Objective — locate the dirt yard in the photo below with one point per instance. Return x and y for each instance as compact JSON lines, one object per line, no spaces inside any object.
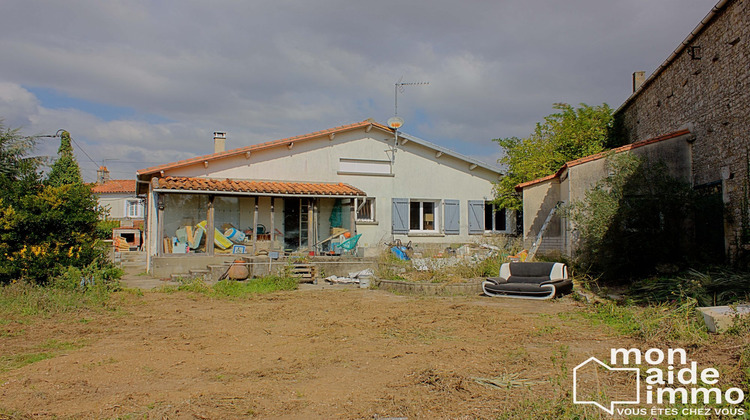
{"x":300,"y":354}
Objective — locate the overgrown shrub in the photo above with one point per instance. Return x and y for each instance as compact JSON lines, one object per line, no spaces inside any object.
{"x":720,"y":286}
{"x":632,"y":221}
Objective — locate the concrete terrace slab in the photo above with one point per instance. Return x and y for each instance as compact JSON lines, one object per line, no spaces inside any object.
{"x":719,"y":318}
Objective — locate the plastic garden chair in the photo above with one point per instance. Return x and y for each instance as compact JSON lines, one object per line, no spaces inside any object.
{"x":350,"y":244}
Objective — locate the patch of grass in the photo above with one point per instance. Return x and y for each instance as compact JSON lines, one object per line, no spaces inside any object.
{"x":237,"y":289}
{"x":545,"y":330}
{"x":47,"y":350}
{"x":53,"y":344}
{"x":22,"y":299}
{"x":16,"y":361}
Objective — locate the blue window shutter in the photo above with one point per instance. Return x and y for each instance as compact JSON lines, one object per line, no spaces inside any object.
{"x":400,"y":216}
{"x":476,"y":216}
{"x":452,"y":217}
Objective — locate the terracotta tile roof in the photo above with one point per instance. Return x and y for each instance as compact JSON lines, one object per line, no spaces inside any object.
{"x":256,"y":187}
{"x":115,"y":186}
{"x":261,"y":146}
{"x":600,"y":155}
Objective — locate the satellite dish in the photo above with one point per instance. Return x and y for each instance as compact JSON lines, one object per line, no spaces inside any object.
{"x":395,"y":122}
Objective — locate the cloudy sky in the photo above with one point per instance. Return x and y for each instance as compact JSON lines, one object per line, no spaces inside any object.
{"x":139,"y":83}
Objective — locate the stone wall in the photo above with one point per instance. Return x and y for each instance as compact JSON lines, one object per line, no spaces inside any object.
{"x":711,"y":96}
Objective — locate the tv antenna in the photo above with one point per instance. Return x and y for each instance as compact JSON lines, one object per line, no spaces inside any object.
{"x":400,"y":87}
{"x":395,"y":122}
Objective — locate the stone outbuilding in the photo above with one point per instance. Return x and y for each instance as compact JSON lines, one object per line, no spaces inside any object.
{"x":704,"y":85}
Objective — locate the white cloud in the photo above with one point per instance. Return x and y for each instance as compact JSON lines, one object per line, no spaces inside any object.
{"x":267,"y":70}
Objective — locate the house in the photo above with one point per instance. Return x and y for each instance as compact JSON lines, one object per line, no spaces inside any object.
{"x":300,"y":194}
{"x":705,"y":85}
{"x":117,"y":197}
{"x":691,"y":113}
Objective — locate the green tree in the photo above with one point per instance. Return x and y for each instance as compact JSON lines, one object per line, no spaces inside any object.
{"x":566,"y":135}
{"x":18,"y":171}
{"x":65,"y":170}
{"x":45,"y":227}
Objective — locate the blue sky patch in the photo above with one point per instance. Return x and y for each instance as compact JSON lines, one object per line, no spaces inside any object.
{"x":53,"y":99}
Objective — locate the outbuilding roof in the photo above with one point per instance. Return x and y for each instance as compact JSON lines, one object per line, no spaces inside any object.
{"x":601,"y":155}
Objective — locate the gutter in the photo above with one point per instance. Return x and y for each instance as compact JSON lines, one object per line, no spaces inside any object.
{"x":250,"y":194}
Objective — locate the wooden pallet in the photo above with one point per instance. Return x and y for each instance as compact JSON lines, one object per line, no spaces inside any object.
{"x":305,"y":272}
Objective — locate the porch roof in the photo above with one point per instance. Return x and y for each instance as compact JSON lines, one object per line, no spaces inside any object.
{"x":252,"y":187}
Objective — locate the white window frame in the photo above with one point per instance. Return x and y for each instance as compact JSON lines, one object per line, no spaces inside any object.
{"x":494,"y":209}
{"x":436,"y":207}
{"x":133,"y":203}
{"x":365,"y":201}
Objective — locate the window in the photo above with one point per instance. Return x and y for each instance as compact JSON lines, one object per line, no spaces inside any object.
{"x":485,"y":217}
{"x":494,"y":218}
{"x":365,"y":209}
{"x":423,"y":216}
{"x":133,"y":208}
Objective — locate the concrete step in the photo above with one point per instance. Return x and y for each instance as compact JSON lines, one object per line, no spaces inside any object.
{"x":125,"y":265}
{"x":179,"y":277}
{"x":127,"y":257}
{"x":199,"y":274}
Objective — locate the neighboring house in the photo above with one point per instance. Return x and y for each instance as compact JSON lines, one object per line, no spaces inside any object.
{"x":304,"y":189}
{"x":569,"y":184}
{"x":117,"y":197}
{"x":703,"y":87}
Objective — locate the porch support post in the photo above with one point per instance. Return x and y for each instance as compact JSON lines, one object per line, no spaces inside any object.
{"x":273,"y":224}
{"x":310,"y":225}
{"x":255,"y":226}
{"x":210,"y":227}
{"x":160,"y":224}
{"x":316,"y":214}
{"x":353,"y":216}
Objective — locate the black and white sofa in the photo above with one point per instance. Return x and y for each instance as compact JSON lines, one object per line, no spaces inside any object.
{"x":529,"y":280}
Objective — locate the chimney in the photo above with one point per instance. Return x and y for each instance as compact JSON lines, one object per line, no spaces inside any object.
{"x":102,"y":175}
{"x":638,"y":78}
{"x":220,"y":138}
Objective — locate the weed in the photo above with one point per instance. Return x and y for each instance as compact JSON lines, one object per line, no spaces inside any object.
{"x":668,"y":322}
{"x":740,"y":326}
{"x":544,"y":330}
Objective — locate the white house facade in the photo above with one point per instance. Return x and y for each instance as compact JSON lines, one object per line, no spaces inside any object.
{"x":117,"y":197}
{"x":293,"y":194}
